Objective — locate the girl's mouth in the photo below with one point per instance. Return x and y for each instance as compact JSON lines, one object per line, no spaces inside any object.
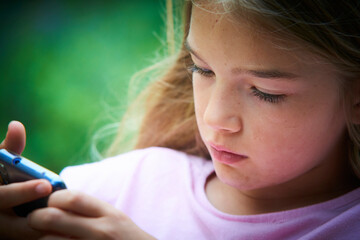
{"x":225,"y":156}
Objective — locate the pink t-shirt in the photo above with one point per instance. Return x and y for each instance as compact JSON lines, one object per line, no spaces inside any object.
{"x":163,"y":191}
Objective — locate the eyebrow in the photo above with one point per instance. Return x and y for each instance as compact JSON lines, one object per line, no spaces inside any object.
{"x":270,"y":74}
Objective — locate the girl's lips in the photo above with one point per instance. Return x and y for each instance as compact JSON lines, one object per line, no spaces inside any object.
{"x":225,"y":156}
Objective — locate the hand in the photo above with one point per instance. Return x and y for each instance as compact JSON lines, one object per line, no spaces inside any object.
{"x":11,"y":226}
{"x":73,"y":215}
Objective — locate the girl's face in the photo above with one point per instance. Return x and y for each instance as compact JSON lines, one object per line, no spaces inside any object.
{"x":268,"y":115}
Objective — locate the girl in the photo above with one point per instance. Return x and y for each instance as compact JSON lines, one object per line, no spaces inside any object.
{"x":272,"y":100}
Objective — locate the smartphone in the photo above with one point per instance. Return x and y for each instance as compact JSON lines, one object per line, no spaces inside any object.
{"x":15,"y":168}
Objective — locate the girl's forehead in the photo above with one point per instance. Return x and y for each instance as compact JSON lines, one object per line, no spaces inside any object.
{"x":242,"y":42}
{"x":217,"y":22}
{"x":208,"y":27}
{"x":213,"y":18}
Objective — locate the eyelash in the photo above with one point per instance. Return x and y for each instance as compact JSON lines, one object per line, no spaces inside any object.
{"x":271,"y":98}
{"x":195,"y":69}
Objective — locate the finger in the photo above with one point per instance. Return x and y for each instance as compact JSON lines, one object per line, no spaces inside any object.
{"x":12,"y":227}
{"x":55,"y":237}
{"x":18,"y":193}
{"x":15,"y":137}
{"x":62,"y":223}
{"x":80,"y":203}
{"x":69,"y":224}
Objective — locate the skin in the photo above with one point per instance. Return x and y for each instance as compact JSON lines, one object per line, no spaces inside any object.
{"x":294,"y":145}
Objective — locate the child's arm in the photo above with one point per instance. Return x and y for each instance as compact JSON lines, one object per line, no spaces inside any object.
{"x":78,"y":215}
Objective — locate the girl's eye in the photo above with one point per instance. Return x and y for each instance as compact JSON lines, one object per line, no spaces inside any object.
{"x":205,"y":72}
{"x":271,"y":98}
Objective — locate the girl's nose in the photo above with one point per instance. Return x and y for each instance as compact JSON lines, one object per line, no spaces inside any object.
{"x":222,"y":112}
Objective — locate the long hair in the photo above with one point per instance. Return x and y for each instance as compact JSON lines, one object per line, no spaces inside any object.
{"x":166,"y":105}
{"x":329,"y":29}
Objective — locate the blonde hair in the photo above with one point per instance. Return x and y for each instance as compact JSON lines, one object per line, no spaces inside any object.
{"x":330,"y":29}
{"x":165,"y":106}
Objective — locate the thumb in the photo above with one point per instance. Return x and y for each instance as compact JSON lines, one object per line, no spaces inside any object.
{"x":15,"y":137}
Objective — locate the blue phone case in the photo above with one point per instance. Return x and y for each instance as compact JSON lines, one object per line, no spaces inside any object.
{"x":15,"y":168}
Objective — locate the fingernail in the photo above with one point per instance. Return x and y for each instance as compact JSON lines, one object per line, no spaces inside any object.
{"x":42,"y":188}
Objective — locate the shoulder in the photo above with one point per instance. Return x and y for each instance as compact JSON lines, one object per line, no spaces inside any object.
{"x":150,"y":157}
{"x":341,"y":220}
{"x":130,"y":159}
{"x":136,"y":167}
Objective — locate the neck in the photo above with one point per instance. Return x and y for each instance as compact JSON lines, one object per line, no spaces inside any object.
{"x":232,"y":201}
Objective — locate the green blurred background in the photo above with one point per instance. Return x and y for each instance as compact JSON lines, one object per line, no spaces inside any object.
{"x":65,"y":66}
